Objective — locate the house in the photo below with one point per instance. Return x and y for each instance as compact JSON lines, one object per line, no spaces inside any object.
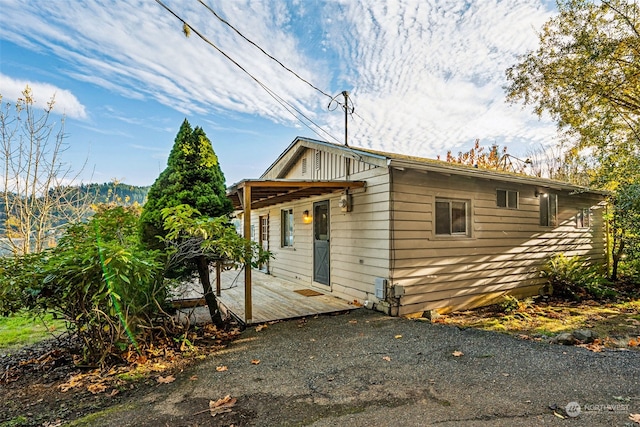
{"x":404,"y":234}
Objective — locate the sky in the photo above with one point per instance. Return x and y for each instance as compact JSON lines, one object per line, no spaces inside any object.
{"x":424,"y":77}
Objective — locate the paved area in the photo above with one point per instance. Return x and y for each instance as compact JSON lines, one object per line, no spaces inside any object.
{"x":367,"y":369}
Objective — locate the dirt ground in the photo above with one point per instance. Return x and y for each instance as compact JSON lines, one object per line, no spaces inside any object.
{"x":360,"y":368}
{"x":367,"y":369}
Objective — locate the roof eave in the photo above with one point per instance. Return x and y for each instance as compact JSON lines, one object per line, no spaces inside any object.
{"x":492,"y":175}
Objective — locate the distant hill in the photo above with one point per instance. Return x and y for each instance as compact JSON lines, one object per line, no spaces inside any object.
{"x":108,"y":192}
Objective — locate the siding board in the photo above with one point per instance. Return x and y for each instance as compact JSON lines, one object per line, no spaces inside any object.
{"x":504,"y":252}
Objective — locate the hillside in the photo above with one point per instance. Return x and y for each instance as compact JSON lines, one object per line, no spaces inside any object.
{"x":109,"y":192}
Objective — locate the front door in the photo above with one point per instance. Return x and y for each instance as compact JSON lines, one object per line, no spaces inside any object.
{"x":264,"y":239}
{"x":321,"y":242}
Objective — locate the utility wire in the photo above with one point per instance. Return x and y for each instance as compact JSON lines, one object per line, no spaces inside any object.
{"x":261,"y":49}
{"x":271,"y":93}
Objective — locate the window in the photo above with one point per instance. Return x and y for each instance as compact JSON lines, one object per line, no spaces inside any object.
{"x":507,"y":199}
{"x":452,"y":217}
{"x":548,"y":210}
{"x":583,"y":218}
{"x":287,"y":228}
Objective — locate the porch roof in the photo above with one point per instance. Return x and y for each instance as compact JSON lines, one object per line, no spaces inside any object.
{"x":267,"y":192}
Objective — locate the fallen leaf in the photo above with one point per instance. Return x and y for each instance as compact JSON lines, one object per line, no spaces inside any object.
{"x":596,"y":347}
{"x":255,"y":361}
{"x":74,"y":381}
{"x":634,"y":342}
{"x":353,"y":322}
{"x":558,"y":415}
{"x":398,"y":336}
{"x":96,"y":388}
{"x":114,"y":392}
{"x":193,"y":377}
{"x":457,"y":353}
{"x":166,"y":380}
{"x":221,"y":368}
{"x":635,"y":418}
{"x":221,"y":406}
{"x":387,"y":358}
{"x":261,"y":327}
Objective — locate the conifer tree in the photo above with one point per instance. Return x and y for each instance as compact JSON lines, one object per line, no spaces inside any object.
{"x":192,"y":177}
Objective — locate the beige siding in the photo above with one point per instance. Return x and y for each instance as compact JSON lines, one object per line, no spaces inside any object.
{"x":359,"y":238}
{"x":321,"y":165}
{"x":503,"y":253}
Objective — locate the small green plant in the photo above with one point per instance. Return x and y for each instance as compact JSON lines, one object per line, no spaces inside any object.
{"x":20,"y":420}
{"x":573,"y":278}
{"x":509,"y":304}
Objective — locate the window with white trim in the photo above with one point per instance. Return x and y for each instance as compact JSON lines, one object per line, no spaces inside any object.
{"x":452,"y":217}
{"x":507,"y":199}
{"x":287,"y":228}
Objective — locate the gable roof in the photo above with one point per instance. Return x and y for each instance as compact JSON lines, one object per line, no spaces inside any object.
{"x":287,"y":159}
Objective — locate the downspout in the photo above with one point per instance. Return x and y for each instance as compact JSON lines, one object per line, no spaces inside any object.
{"x":394,"y":308}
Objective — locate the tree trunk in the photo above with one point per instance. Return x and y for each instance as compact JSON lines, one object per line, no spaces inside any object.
{"x":616,"y":260}
{"x":209,"y":296}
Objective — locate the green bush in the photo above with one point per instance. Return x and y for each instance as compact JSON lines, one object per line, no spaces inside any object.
{"x":509,"y":304}
{"x":574,"y":278}
{"x":98,"y":278}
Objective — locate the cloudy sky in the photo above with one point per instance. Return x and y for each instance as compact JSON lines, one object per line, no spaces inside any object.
{"x":424,"y":76}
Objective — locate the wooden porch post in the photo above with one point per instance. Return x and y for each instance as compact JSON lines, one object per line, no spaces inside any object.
{"x":218,"y":278}
{"x":248,"y":314}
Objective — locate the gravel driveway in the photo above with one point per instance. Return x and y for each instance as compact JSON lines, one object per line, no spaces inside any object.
{"x":367,"y":369}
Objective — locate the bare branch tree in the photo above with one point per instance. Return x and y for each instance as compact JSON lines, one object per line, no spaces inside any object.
{"x":36,"y":189}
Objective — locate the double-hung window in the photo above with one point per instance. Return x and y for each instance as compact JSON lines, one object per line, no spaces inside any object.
{"x":287,"y":228}
{"x":452,"y":217}
{"x":507,"y":199}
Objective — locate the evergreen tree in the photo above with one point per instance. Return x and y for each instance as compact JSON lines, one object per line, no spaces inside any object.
{"x":193,"y":177}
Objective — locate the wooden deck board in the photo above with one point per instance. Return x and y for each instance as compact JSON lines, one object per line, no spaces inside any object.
{"x":273,"y":298}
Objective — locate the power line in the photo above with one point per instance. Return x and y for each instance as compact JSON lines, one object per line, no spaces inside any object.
{"x":261,"y":49}
{"x":277,"y":98}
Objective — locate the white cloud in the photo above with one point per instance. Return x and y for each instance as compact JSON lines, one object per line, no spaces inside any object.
{"x":426,"y":76}
{"x":65,"y":102}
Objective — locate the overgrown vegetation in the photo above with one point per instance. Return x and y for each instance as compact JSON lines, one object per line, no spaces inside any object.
{"x":193,"y":178}
{"x":573,"y":278}
{"x":98,"y":279}
{"x":110,"y":282}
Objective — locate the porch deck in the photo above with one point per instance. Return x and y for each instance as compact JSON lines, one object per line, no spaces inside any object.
{"x":273,"y":298}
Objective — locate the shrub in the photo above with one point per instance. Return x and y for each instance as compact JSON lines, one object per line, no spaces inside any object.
{"x":98,"y":278}
{"x":509,"y":304}
{"x":574,"y":278}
